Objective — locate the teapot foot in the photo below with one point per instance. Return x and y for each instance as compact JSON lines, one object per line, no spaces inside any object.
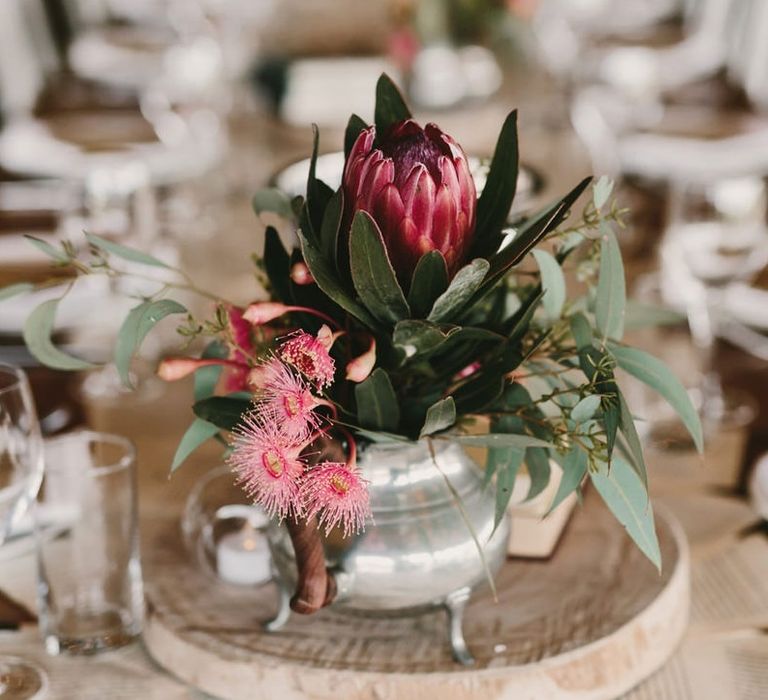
{"x":454,"y":605}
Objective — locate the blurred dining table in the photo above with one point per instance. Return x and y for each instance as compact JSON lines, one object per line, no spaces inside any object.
{"x":211,"y":247}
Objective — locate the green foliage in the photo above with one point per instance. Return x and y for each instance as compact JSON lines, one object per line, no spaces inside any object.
{"x":390,"y":105}
{"x":273,"y":201}
{"x":377,"y":404}
{"x":199,"y":432}
{"x":37,"y":336}
{"x":121,"y":251}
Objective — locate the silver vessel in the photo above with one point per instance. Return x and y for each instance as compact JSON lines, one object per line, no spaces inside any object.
{"x":419,"y":552}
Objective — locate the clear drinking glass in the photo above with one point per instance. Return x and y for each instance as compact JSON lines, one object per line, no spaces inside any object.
{"x":90,"y":595}
{"x":21,"y":469}
{"x":716,"y":235}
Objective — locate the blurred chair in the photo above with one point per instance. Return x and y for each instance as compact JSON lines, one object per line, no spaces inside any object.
{"x":644,"y":128}
{"x":88,"y":128}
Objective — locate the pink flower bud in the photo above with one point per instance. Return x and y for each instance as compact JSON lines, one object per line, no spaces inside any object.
{"x":417,"y":186}
{"x":301,"y":275}
{"x":361,"y":366}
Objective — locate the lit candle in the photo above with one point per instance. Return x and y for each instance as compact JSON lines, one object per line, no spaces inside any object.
{"x":243,"y":557}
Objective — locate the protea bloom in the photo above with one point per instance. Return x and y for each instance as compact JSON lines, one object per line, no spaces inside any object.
{"x":417,"y":186}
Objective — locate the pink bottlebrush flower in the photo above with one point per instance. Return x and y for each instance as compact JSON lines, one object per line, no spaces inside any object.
{"x":362,"y":365}
{"x":301,"y":275}
{"x":338,"y":495}
{"x":285,"y":398}
{"x":268,"y":466}
{"x":309,"y":355}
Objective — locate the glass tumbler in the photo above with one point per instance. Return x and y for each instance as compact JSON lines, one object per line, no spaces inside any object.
{"x":90,"y":595}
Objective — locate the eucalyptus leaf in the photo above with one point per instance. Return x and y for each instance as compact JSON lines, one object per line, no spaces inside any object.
{"x":574,"y":466}
{"x":430,"y":280}
{"x":354,"y":126}
{"x":602,"y":191}
{"x":377,"y":405}
{"x":465,"y":283}
{"x":372,"y":273}
{"x":274,"y":201}
{"x":390,"y":105}
{"x":56,"y":254}
{"x":581,"y":331}
{"x":139,"y":321}
{"x":440,"y":415}
{"x":642,"y":315}
{"x":658,"y":376}
{"x":37,"y":336}
{"x":13,"y":290}
{"x":206,"y":378}
{"x":505,"y":484}
{"x":552,"y":282}
{"x":124,"y":252}
{"x":629,"y":431}
{"x":585,"y":409}
{"x":539,"y":470}
{"x":199,"y":432}
{"x":611,"y":287}
{"x":499,"y":191}
{"x":624,"y":493}
{"x":223,"y":411}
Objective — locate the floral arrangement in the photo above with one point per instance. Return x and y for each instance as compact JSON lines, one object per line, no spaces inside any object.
{"x":410,"y":309}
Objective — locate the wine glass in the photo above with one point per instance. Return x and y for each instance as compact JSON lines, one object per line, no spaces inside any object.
{"x":21,"y":471}
{"x":716,"y":236}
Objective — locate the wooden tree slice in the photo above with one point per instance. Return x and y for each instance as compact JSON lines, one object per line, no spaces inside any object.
{"x":591,"y":622}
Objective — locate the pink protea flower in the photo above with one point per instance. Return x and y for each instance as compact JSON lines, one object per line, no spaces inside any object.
{"x":285,"y":398}
{"x":309,"y":355}
{"x":267,"y":464}
{"x":416,"y":185}
{"x":338,"y":495}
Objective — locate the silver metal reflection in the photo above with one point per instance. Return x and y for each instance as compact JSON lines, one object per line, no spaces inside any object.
{"x":419,"y":552}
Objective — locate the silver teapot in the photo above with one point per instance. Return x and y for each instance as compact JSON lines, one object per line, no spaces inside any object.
{"x":421,"y":550}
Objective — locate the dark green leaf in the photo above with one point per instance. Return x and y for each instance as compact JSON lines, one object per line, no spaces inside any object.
{"x":430,"y":280}
{"x":417,"y":337}
{"x":624,"y":493}
{"x":440,"y":415}
{"x":354,"y":126}
{"x":531,"y":232}
{"x":199,"y":432}
{"x":329,"y":230}
{"x":505,"y":483}
{"x":479,"y":392}
{"x":372,"y":273}
{"x":139,"y":321}
{"x":328,"y":281}
{"x":273,"y":201}
{"x":13,"y":290}
{"x":552,"y":283}
{"x":277,"y":265}
{"x":496,"y":198}
{"x":318,"y":193}
{"x":57,"y":254}
{"x":390,"y":105}
{"x":223,"y":411}
{"x":37,"y":335}
{"x":539,"y":470}
{"x":377,"y":406}
{"x":518,"y":323}
{"x":124,"y":252}
{"x":659,"y":377}
{"x":466,"y":282}
{"x":574,"y":466}
{"x":611,"y":288}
